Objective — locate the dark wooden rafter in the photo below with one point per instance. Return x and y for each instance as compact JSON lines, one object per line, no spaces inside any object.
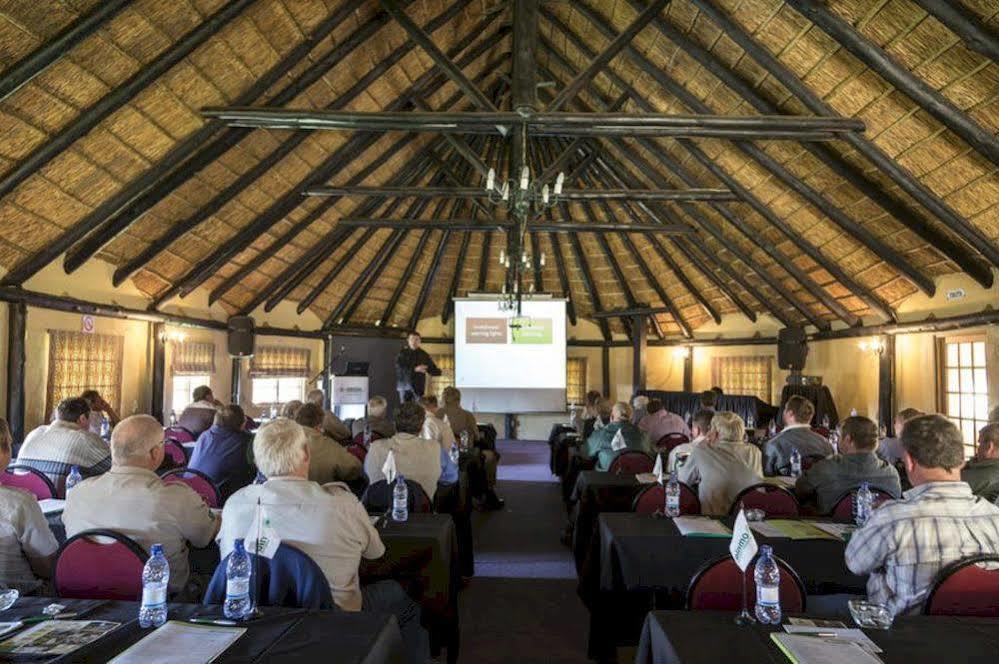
{"x":650,"y":278}
{"x":431,"y":278}
{"x":41,"y":58}
{"x":459,"y":267}
{"x":417,"y":224}
{"x":348,"y":304}
{"x":563,"y":277}
{"x":976,"y":35}
{"x":588,"y":285}
{"x":337,"y":268}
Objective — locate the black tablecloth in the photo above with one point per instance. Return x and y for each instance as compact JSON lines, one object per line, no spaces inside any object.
{"x":821,"y":398}
{"x":689,"y":402}
{"x":281,"y":634}
{"x":597,"y":492}
{"x":690,"y":637}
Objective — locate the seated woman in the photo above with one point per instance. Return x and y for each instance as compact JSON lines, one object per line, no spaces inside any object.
{"x":605,"y":443}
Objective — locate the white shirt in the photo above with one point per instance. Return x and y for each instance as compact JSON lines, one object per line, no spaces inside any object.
{"x":24,"y":536}
{"x":416,"y":458}
{"x":682,"y":449}
{"x":327,"y":523}
{"x":439,"y":431}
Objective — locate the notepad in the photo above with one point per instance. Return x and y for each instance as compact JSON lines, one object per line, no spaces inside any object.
{"x":8,"y":627}
{"x":846,"y":633}
{"x":796,"y":530}
{"x":841,"y":530}
{"x":51,"y":505}
{"x":176,"y":641}
{"x":701,"y":526}
{"x":802,"y":649}
{"x":56,"y":637}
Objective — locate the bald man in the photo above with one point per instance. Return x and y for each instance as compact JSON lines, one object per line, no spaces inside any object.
{"x":131,"y":499}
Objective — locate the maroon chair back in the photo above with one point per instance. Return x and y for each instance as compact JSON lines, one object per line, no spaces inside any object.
{"x":822,"y":431}
{"x":631,"y":462}
{"x":377,"y":498}
{"x":717,"y":586}
{"x":180,"y":434}
{"x":652,"y":499}
{"x":669,"y":441}
{"x":359,"y":438}
{"x":31,"y":480}
{"x":201,"y":483}
{"x":358,"y":451}
{"x":843,"y":511}
{"x":175,"y":452}
{"x":965,"y":588}
{"x":776,"y":501}
{"x":88,"y":566}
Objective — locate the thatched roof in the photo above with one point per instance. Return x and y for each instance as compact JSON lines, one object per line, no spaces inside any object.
{"x":65,"y":166}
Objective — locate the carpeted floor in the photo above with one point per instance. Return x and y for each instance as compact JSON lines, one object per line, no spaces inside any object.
{"x":522,"y":604}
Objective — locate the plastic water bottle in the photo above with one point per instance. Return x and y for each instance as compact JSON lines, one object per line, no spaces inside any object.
{"x":862,"y":504}
{"x":686,"y":417}
{"x":173,"y":418}
{"x":400,"y":500}
{"x":73,"y":478}
{"x":455,"y":453}
{"x":367,"y":434}
{"x":465,"y":441}
{"x":238,"y":605}
{"x":672,"y":495}
{"x":825,"y":421}
{"x":155,"y":580}
{"x":767,"y":576}
{"x":795,"y":463}
{"x":750,"y":422}
{"x":853,"y":412}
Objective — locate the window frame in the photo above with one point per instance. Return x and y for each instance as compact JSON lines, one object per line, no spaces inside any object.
{"x":203,"y":379}
{"x":716,"y":360}
{"x":301,"y":390}
{"x":942,"y":367}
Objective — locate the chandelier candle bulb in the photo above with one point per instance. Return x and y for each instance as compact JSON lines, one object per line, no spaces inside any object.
{"x":525,"y":178}
{"x":506,"y":191}
{"x":559,"y":181}
{"x":491,"y":179}
{"x":544,"y":194}
{"x":502,"y":257}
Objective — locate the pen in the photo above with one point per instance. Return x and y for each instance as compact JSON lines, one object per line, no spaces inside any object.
{"x":213,"y":621}
{"x":37,"y":619}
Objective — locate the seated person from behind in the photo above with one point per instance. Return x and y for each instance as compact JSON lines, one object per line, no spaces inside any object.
{"x":100,"y":411}
{"x":603,"y":409}
{"x":982,"y":472}
{"x":223,"y":452}
{"x":329,"y":461}
{"x":133,"y":501}
{"x":436,"y":426}
{"x":660,"y":422}
{"x":796,"y":434}
{"x":327,"y":523}
{"x":55,"y":448}
{"x":418,"y":459}
{"x":462,"y":420}
{"x":290,"y":409}
{"x":827,"y":480}
{"x":27,"y":546}
{"x":722,"y":465}
{"x":376,"y":420}
{"x":939,"y":521}
{"x":332,"y":426}
{"x":602,"y":442}
{"x":640,"y":408}
{"x":587,"y":414}
{"x":890,"y":449}
{"x":708,"y":400}
{"x":699,"y":428}
{"x":200,"y":415}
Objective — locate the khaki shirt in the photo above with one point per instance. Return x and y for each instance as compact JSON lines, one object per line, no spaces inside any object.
{"x":721,"y":470}
{"x":416,"y":458}
{"x":461,"y":420}
{"x":24,"y":537}
{"x":334,"y":428}
{"x":137,"y":503}
{"x":327,"y":523}
{"x":329,"y":461}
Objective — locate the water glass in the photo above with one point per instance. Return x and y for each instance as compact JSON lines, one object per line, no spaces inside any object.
{"x":870,"y":615}
{"x":7,"y":597}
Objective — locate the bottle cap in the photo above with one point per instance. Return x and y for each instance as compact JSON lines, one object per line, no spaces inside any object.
{"x":238,"y":544}
{"x":157,"y":549}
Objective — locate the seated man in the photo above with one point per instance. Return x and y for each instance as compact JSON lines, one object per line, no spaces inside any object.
{"x":418,"y":459}
{"x":640,"y":406}
{"x":601,"y":443}
{"x":796,"y":434}
{"x":699,"y":427}
{"x":890,"y":449}
{"x":708,"y":400}
{"x":463,"y":421}
{"x":200,"y":415}
{"x":827,"y":480}
{"x":290,"y":409}
{"x":132,"y":500}
{"x":436,"y":426}
{"x":332,"y":426}
{"x":55,"y":448}
{"x":660,"y":422}
{"x":376,"y":419}
{"x":100,"y":411}
{"x":223,"y":452}
{"x":327,"y":523}
{"x":329,"y":461}
{"x":906,"y":542}
{"x":982,"y":472}
{"x":27,"y":546}
{"x":722,"y":465}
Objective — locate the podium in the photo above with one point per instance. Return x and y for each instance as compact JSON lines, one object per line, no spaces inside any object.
{"x":350,"y":391}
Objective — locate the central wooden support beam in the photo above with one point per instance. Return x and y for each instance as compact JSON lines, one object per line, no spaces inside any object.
{"x":524,"y":86}
{"x":479,"y":193}
{"x":17,"y":316}
{"x":640,"y":346}
{"x":158,"y":386}
{"x":535,"y":227}
{"x":886,"y":384}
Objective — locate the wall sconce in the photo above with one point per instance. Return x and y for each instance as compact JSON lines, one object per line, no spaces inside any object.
{"x":875,"y":346}
{"x":174,"y":336}
{"x":681,"y":352}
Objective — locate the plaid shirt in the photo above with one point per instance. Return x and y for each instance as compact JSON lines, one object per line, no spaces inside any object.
{"x":54,"y":449}
{"x":906,"y":542}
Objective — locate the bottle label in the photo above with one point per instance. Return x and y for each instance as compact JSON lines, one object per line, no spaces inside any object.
{"x":154,"y":595}
{"x":673,"y":503}
{"x":237,"y":588}
{"x":768,"y":596}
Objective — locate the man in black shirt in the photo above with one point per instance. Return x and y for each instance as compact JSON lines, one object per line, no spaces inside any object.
{"x":411,"y":368}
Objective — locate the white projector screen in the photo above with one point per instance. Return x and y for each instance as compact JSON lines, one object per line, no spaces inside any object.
{"x":506,"y":364}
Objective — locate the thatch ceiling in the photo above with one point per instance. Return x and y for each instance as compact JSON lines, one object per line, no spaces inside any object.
{"x":67,"y":169}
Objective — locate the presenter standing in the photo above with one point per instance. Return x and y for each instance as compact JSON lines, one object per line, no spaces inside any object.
{"x":411,"y":368}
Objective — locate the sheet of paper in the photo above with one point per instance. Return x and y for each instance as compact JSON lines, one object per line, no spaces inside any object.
{"x":845,"y":633}
{"x":814,"y":622}
{"x":646,"y":478}
{"x":8,"y":627}
{"x":51,"y":505}
{"x":815,"y":650}
{"x":176,"y":641}
{"x":701,"y":526}
{"x":840,"y":530}
{"x":56,"y":637}
{"x":767,"y":529}
{"x":798,"y":530}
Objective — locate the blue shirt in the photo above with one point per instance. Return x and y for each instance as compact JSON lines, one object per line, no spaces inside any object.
{"x":221,"y":454}
{"x":449,"y":470}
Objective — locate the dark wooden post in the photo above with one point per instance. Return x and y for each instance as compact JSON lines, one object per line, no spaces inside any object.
{"x":236,"y":386}
{"x":640,"y":344}
{"x":327,"y":368}
{"x":605,"y":371}
{"x":16,"y":325}
{"x":159,"y":370}
{"x":688,"y":370}
{"x":886,"y":383}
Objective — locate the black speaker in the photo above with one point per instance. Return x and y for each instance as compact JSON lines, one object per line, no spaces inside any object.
{"x":791,"y":348}
{"x":241,"y":336}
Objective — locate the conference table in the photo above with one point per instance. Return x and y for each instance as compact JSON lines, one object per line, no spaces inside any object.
{"x":597,"y":492}
{"x":693,"y":637}
{"x":636,"y":559}
{"x":280,"y":634}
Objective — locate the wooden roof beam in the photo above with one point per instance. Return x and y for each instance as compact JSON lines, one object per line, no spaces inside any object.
{"x":588,"y":285}
{"x":431,"y":279}
{"x":976,"y":35}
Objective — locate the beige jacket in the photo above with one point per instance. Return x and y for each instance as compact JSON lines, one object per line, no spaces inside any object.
{"x":721,"y":470}
{"x":417,"y":458}
{"x":329,"y":461}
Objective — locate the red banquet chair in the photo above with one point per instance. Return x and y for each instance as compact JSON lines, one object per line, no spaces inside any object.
{"x":359,"y":438}
{"x":175,"y":452}
{"x":774,"y":500}
{"x":822,"y":431}
{"x":843,"y":511}
{"x":100,"y":564}
{"x":717,"y":586}
{"x":966,"y":588}
{"x":652,"y":499}
{"x":31,"y":480}
{"x":631,"y":462}
{"x":358,"y":451}
{"x":180,"y":434}
{"x":669,"y":441}
{"x":197,"y":480}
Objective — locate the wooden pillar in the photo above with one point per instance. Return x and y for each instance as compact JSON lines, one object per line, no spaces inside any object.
{"x":159,"y":370}
{"x":688,"y":370}
{"x":640,"y":345}
{"x":236,"y":386}
{"x":605,"y":369}
{"x":16,"y":325}
{"x":327,"y":369}
{"x":886,"y":383}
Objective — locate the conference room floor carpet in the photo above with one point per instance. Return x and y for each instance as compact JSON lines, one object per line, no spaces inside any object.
{"x":522,"y":604}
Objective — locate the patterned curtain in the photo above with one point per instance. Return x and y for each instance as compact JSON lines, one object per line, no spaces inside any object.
{"x":436,"y":384}
{"x":575,"y":380}
{"x":192,"y":358}
{"x":747,"y":376}
{"x":280,"y":362}
{"x":79,"y":362}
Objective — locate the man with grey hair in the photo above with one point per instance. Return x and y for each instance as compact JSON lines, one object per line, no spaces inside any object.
{"x":326,"y":522}
{"x":640,"y":405}
{"x":376,"y":420}
{"x":722,"y":465}
{"x":132,"y":500}
{"x":938,"y":521}
{"x":332,"y":426}
{"x":982,"y":472}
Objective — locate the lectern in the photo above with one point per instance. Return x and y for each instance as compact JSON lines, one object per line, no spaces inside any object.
{"x":350,"y":391}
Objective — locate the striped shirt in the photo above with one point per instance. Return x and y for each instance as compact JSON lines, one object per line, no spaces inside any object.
{"x":906,"y":542}
{"x":54,"y":449}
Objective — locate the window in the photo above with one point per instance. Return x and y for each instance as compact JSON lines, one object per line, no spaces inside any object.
{"x":183,"y":389}
{"x":747,"y":376}
{"x":278,"y":375}
{"x":192,"y":364}
{"x":436,"y":384}
{"x":79,"y":362}
{"x":965,"y":386}
{"x":575,"y":380}
{"x":274,"y":391}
